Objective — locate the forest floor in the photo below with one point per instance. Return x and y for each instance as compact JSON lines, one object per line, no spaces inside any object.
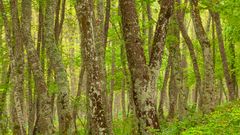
{"x":225,"y":120}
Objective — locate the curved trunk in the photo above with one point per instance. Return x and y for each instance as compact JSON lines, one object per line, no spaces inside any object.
{"x":63,"y":105}
{"x":94,"y":83}
{"x":207,"y":99}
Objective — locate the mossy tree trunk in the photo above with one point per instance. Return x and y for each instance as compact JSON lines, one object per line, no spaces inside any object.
{"x":144,"y":76}
{"x":208,"y":94}
{"x":63,"y":104}
{"x":94,"y":85}
{"x":44,"y":123}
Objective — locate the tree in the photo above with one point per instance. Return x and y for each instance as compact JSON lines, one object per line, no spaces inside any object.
{"x":44,"y":123}
{"x":207,"y":99}
{"x":94,"y":86}
{"x":227,"y":74}
{"x":63,"y":105}
{"x":144,"y":77}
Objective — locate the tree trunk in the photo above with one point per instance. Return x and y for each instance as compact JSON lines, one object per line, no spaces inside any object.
{"x":207,"y":99}
{"x":124,"y":81}
{"x":184,"y":90}
{"x":164,"y":88}
{"x":232,"y":67}
{"x":112,"y":85}
{"x":180,"y":21}
{"x":94,"y":84}
{"x":226,"y":71}
{"x":18,"y":72}
{"x":63,"y":105}
{"x":150,"y":29}
{"x":144,"y":77}
{"x":78,"y":97}
{"x":175,"y":78}
{"x":102,"y":26}
{"x":44,"y":123}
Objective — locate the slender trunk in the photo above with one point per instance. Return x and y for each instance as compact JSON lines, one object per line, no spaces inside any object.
{"x":9,"y":42}
{"x":112,"y":85}
{"x":40,"y":28}
{"x":207,"y":99}
{"x":30,"y":104}
{"x":180,"y":21}
{"x":227,"y":74}
{"x":164,"y":88}
{"x":150,"y":29}
{"x":63,"y":105}
{"x":232,"y":67}
{"x":175,"y":78}
{"x":78,"y":97}
{"x":124,"y":81}
{"x":94,"y":84}
{"x":59,"y":19}
{"x":184,"y":91}
{"x":221,"y":91}
{"x":3,"y":97}
{"x":18,"y":72}
{"x":43,"y":124}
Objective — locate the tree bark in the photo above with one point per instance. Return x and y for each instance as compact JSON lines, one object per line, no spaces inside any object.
{"x":180,"y":21}
{"x":78,"y":97}
{"x":226,"y":71}
{"x":18,"y":72}
{"x":207,"y":99}
{"x":164,"y":88}
{"x":94,"y":85}
{"x":175,"y":78}
{"x":63,"y":105}
{"x":143,"y":76}
{"x":184,"y":89}
{"x":44,"y":123}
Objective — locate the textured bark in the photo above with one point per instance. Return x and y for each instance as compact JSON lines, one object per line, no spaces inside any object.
{"x":94,"y":85}
{"x":30,"y":100}
{"x":40,"y":28}
{"x":8,"y":81}
{"x":137,"y":66}
{"x":143,"y":76}
{"x":18,"y":72}
{"x":59,"y":19}
{"x":150,"y":29}
{"x":4,"y":86}
{"x":158,"y":44}
{"x":63,"y":105}
{"x":175,"y":78}
{"x":180,"y":21}
{"x":143,"y":20}
{"x":226,"y":71}
{"x":184,"y":89}
{"x":207,"y":99}
{"x":164,"y":88}
{"x":102,"y":25}
{"x":44,"y":123}
{"x":3,"y":97}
